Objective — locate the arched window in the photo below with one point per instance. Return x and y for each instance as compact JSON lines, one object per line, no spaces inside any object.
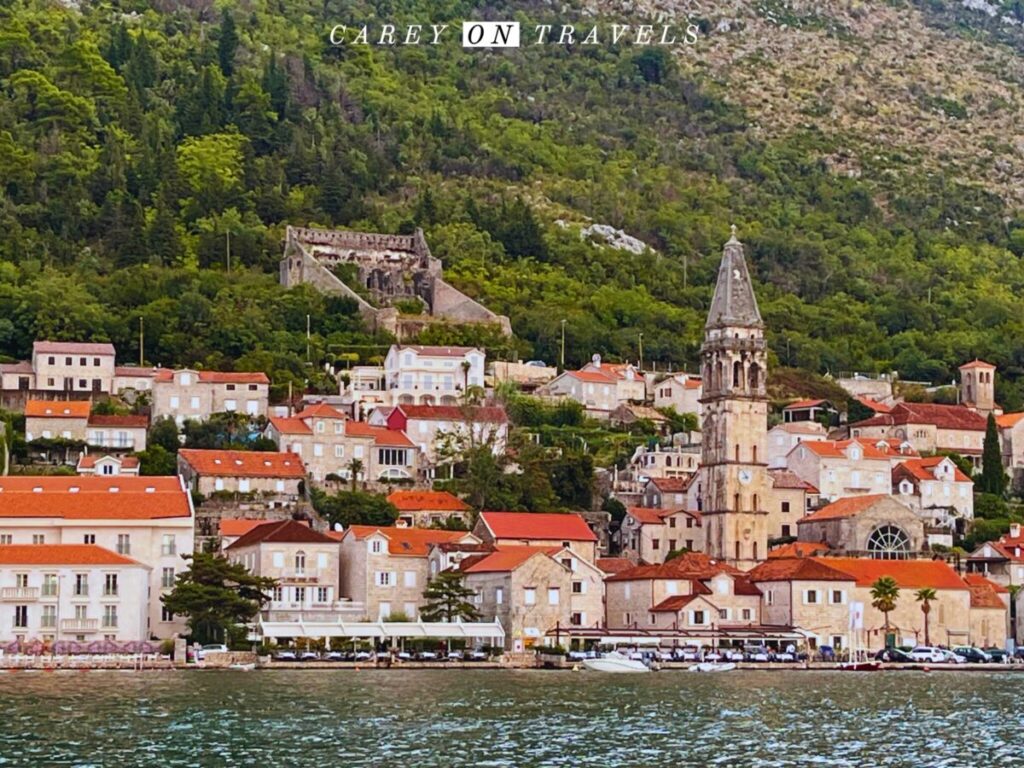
{"x":718,"y":375}
{"x":737,"y":375}
{"x":753,"y":453}
{"x":755,"y":549}
{"x":755,"y":376}
{"x":888,"y":542}
{"x":300,"y":562}
{"x":737,"y":550}
{"x":737,"y":451}
{"x":736,"y":503}
{"x":754,"y":503}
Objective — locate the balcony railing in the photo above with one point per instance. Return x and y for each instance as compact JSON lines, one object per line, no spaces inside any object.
{"x":300,"y":574}
{"x":79,"y":625}
{"x":19,"y":593}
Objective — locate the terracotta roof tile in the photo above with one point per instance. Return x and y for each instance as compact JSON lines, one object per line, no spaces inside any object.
{"x":798,"y":549}
{"x":485,"y":413}
{"x":977,"y":580}
{"x":243,"y":463}
{"x":801,"y":404}
{"x":61,"y":554}
{"x":436,"y":351}
{"x":848,"y":507}
{"x":290,"y":425}
{"x":675,"y":603}
{"x":646,"y":515}
{"x":874,"y":405}
{"x":976,"y":363}
{"x":909,"y":574}
{"x":593,"y":377}
{"x":128,"y":421}
{"x":51,"y":409}
{"x":942,"y":416}
{"x":407,"y":542}
{"x":320,"y":410}
{"x":88,"y":460}
{"x":237,"y":526}
{"x":506,"y":558}
{"x":923,"y":469}
{"x":783,"y":478}
{"x":538,"y":525}
{"x":613,"y":564}
{"x":671,"y":484}
{"x":796,"y":569}
{"x":71,"y":348}
{"x":93,"y":497}
{"x":441,"y":501}
{"x":218,"y":377}
{"x":380,"y":435}
{"x":1008,"y":420}
{"x":280,"y":531}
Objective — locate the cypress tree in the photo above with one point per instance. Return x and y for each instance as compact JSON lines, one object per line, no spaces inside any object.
{"x":227,"y":44}
{"x":993,"y":478}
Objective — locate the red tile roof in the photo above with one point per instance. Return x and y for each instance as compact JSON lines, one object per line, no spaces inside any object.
{"x":909,"y":574}
{"x":237,"y":526}
{"x":801,"y":428}
{"x":22,"y":366}
{"x":977,"y":580}
{"x":1007,"y":420}
{"x":983,"y":596}
{"x":48,"y":409}
{"x":848,"y":507}
{"x":798,"y":549}
{"x":486,"y":413}
{"x":243,"y":463}
{"x":840,"y":448}
{"x":117,"y":420}
{"x":406,"y":542}
{"x":93,"y":497}
{"x":796,"y":569}
{"x":88,"y":460}
{"x":506,"y":558}
{"x":671,"y":484}
{"x":613,"y":564}
{"x":320,"y":410}
{"x":783,"y":478}
{"x":675,"y":603}
{"x":941,"y":416}
{"x":438,"y":351}
{"x":690,"y":565}
{"x":593,"y":377}
{"x":802,"y":404}
{"x":218,"y":377}
{"x":61,"y":554}
{"x":126,"y":371}
{"x":647,"y":515}
{"x":976,"y":363}
{"x":441,"y":501}
{"x":71,"y":348}
{"x":282,"y":532}
{"x":874,"y":405}
{"x":290,"y":425}
{"x":380,"y":435}
{"x":537,"y":525}
{"x":923,"y":469}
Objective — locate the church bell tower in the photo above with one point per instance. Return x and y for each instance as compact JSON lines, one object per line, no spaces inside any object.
{"x":734,"y":477}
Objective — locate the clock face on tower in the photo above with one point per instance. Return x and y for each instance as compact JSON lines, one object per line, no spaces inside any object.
{"x":745,"y":476}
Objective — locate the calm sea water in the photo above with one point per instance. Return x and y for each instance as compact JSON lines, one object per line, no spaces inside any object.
{"x":497,"y":718}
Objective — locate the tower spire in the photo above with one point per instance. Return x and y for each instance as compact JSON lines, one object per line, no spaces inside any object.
{"x":734,"y":303}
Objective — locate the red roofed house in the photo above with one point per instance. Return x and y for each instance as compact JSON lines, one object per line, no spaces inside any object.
{"x":808,"y":410}
{"x":842,"y":468}
{"x":782,"y":438}
{"x":928,"y":427}
{"x":65,"y":366}
{"x":666,"y":492}
{"x":72,"y":592}
{"x":149,"y":519}
{"x":532,"y":590}
{"x":328,"y":442}
{"x":421,"y":509}
{"x":441,"y":430}
{"x":691,"y":592}
{"x":266,"y":473}
{"x":1002,"y":560}
{"x":230,"y":529}
{"x":1011,"y":437}
{"x":935,"y":487}
{"x":790,"y":500}
{"x":432,"y":375}
{"x":877,"y":525}
{"x":538,"y":529}
{"x":304,"y":562}
{"x":599,"y":387}
{"x":191,"y":394}
{"x":71,"y":420}
{"x":108,"y":466}
{"x":386,"y":568}
{"x":648,"y":534}
{"x":681,"y":391}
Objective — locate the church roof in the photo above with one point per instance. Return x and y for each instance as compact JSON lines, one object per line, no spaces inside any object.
{"x":734,"y":303}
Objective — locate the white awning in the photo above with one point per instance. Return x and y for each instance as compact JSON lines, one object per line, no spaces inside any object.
{"x":380,"y":629}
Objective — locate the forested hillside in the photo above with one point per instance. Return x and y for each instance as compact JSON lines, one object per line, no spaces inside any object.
{"x":151,"y":154}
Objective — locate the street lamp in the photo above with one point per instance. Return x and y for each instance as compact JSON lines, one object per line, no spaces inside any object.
{"x":563,"y":346}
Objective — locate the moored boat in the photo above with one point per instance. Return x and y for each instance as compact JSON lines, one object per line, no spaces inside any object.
{"x":860,"y":666}
{"x":711,"y":666}
{"x":615,"y":662}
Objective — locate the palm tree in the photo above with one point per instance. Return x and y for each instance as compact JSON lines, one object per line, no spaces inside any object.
{"x":924,"y":597}
{"x":884,"y":593}
{"x":355,"y":467}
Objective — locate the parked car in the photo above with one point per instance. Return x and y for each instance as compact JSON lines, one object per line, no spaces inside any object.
{"x":894,"y":654}
{"x":213,"y":648}
{"x":455,"y":656}
{"x":998,"y":655}
{"x":969,"y":653}
{"x":426,"y":656}
{"x":951,"y":658}
{"x":309,"y":656}
{"x":334,"y":656}
{"x":285,"y":656}
{"x":928,"y":655}
{"x":482,"y":655}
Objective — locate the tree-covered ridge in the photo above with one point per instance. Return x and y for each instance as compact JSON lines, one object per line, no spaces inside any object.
{"x":140,"y":140}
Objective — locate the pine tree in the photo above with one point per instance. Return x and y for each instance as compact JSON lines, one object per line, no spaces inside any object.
{"x":227,"y":45}
{"x":993,"y":478}
{"x":447,"y":599}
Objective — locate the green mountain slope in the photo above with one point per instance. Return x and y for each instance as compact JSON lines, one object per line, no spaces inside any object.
{"x":868,"y":154}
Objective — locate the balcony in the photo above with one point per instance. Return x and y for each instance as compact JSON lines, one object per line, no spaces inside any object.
{"x":305,"y":575}
{"x":19,"y":593}
{"x":79,"y":625}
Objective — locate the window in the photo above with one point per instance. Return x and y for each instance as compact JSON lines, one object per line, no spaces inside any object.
{"x":49,"y":585}
{"x":785,"y":530}
{"x":747,"y":614}
{"x":21,"y":616}
{"x":888,"y":542}
{"x":21,"y":580}
{"x":394,"y":457}
{"x":300,"y":594}
{"x":529,"y":596}
{"x":321,"y":559}
{"x":499,"y":595}
{"x":723,"y":613}
{"x":384,"y":611}
{"x":278,"y":559}
{"x":109,"y":615}
{"x":339,"y":451}
{"x":323,"y":594}
{"x":110,"y":585}
{"x":166,"y":615}
{"x":167,"y":578}
{"x":655,"y":544}
{"x":243,"y":485}
{"x":410,"y":578}
{"x":6,"y":538}
{"x":553,"y":595}
{"x":576,"y":619}
{"x":81,"y":585}
{"x":218,"y":484}
{"x":38,"y":538}
{"x":579,"y":588}
{"x":689,"y":544}
{"x":785,"y":506}
{"x":124,"y":544}
{"x":376,"y":546}
{"x":175,"y":402}
{"x":318,"y":449}
{"x":838,"y":597}
{"x":277,"y":595}
{"x":186,"y":379}
{"x":698,"y":617}
{"x":300,"y":563}
{"x":49,"y":619}
{"x":384,"y":578}
{"x":810,"y":597}
{"x":168,"y":545}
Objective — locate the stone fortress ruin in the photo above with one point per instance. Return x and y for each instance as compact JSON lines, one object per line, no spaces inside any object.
{"x":389,"y":269}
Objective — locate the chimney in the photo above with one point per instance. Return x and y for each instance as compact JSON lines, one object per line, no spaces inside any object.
{"x":1014,"y":530}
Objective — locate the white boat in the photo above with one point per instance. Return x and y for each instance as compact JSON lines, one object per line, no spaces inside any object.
{"x":615,"y":662}
{"x":711,"y":666}
{"x":242,"y":667}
